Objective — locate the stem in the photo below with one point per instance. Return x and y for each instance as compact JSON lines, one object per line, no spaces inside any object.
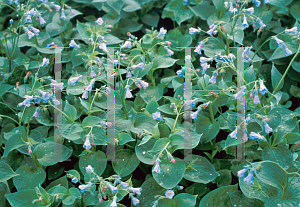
{"x":27,"y":131}
{"x":211,"y":113}
{"x":178,"y":114}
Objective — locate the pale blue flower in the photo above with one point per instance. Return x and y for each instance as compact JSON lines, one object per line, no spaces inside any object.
{"x":249,"y":10}
{"x":267,"y":1}
{"x":31,"y":12}
{"x":42,"y":21}
{"x":242,"y":173}
{"x":85,"y":95}
{"x":240,"y":94}
{"x":136,"y":190}
{"x":256,"y":98}
{"x":28,"y":19}
{"x":45,"y":96}
{"x":213,"y":78}
{"x":82,"y":188}
{"x":287,"y":50}
{"x":262,"y":88}
{"x":156,"y":167}
{"x":261,"y":24}
{"x":87,"y":143}
{"x":268,"y":129}
{"x":55,"y":84}
{"x":112,"y":188}
{"x":278,"y":41}
{"x":63,"y":16}
{"x":156,"y":203}
{"x":124,"y":185}
{"x":205,"y":60}
{"x":245,"y":23}
{"x":249,"y":179}
{"x":89,"y":169}
{"x":45,"y":62}
{"x":128,"y":74}
{"x":191,"y":103}
{"x":247,"y":50}
{"x":143,"y":84}
{"x":73,"y":44}
{"x":170,"y":52}
{"x":231,"y":8}
{"x":234,"y":133}
{"x":293,"y":30}
{"x":207,"y":103}
{"x":157,"y":116}
{"x":29,"y":33}
{"x":35,"y":30}
{"x":199,"y":48}
{"x":10,"y":1}
{"x":36,"y":113}
{"x":99,"y":21}
{"x":211,"y":31}
{"x":90,"y":86}
{"x":180,"y":73}
{"x":55,"y":101}
{"x":248,"y":119}
{"x":92,"y":74}
{"x":247,"y":58}
{"x":74,"y":180}
{"x":195,"y":114}
{"x":169,"y":194}
{"x":56,"y":7}
{"x":135,"y":201}
{"x":140,"y":66}
{"x":128,"y":93}
{"x":194,"y":30}
{"x":162,"y":32}
{"x":257,"y":3}
{"x":26,"y":102}
{"x":186,"y":2}
{"x":204,"y":66}
{"x":127,"y":44}
{"x":75,"y":80}
{"x":254,"y":135}
{"x":102,"y":46}
{"x":114,"y":203}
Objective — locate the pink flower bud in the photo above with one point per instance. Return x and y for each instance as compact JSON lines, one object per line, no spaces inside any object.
{"x":100,"y":200}
{"x":50,"y":10}
{"x":104,"y":197}
{"x":237,"y":5}
{"x":162,"y":38}
{"x":178,"y":96}
{"x":138,"y":135}
{"x":125,"y":58}
{"x":267,"y":119}
{"x":153,"y":162}
{"x":198,"y":70}
{"x":37,"y":19}
{"x":30,"y":151}
{"x":170,"y":106}
{"x":251,"y":95}
{"x":146,"y":30}
{"x":253,"y":25}
{"x":93,"y":143}
{"x":139,"y":86}
{"x":99,"y":73}
{"x":173,"y":160}
{"x":110,"y":26}
{"x":106,"y":94}
{"x":169,"y":43}
{"x":40,"y":199}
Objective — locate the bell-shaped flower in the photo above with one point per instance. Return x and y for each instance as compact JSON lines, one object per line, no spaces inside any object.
{"x":257,"y":3}
{"x":156,"y":168}
{"x":112,"y":188}
{"x":170,"y":52}
{"x":249,"y":179}
{"x":194,"y":30}
{"x":204,"y":66}
{"x":287,"y":50}
{"x":249,"y":10}
{"x":245,"y":23}
{"x":199,"y":48}
{"x":140,"y":66}
{"x":143,"y":84}
{"x":213,"y":78}
{"x":293,"y":30}
{"x":256,"y":98}
{"x":99,"y":21}
{"x":45,"y":62}
{"x":73,"y":44}
{"x":169,"y":194}
{"x":162,"y":32}
{"x":29,"y":33}
{"x":268,"y":129}
{"x":89,"y":169}
{"x":128,"y":93}
{"x":87,"y":143}
{"x":242,"y":173}
{"x":134,"y":200}
{"x":136,"y":190}
{"x":157,"y":116}
{"x":56,"y":7}
{"x":75,"y":80}
{"x":254,"y":135}
{"x":240,"y":94}
{"x":262,"y":88}
{"x":114,"y":202}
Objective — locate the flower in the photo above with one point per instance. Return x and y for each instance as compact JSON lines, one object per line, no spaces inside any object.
{"x":87,"y":143}
{"x":85,"y":95}
{"x":127,"y":44}
{"x":199,"y":48}
{"x":245,"y":23}
{"x":245,"y":137}
{"x":45,"y":96}
{"x":162,"y":31}
{"x":56,"y":7}
{"x":112,"y":188}
{"x":143,"y":83}
{"x":157,"y":116}
{"x":90,"y":86}
{"x":169,"y":194}
{"x":180,"y":187}
{"x":257,"y":3}
{"x":156,"y":167}
{"x":82,"y":188}
{"x":136,"y":190}
{"x":261,"y":24}
{"x":256,"y":98}
{"x":74,"y":180}
{"x":287,"y":50}
{"x":254,"y":135}
{"x":29,"y":33}
{"x":206,"y":104}
{"x":194,"y":30}
{"x":45,"y":62}
{"x":262,"y":88}
{"x":180,"y":73}
{"x":240,"y":94}
{"x":114,"y":203}
{"x":63,"y":16}
{"x":140,"y":66}
{"x":92,"y":74}
{"x":292,"y":30}
{"x":73,"y":44}
{"x":205,"y":60}
{"x":247,"y":50}
{"x":204,"y":66}
{"x":124,"y":185}
{"x":116,"y":62}
{"x":170,"y":52}
{"x":267,"y":1}
{"x":186,"y":2}
{"x":27,"y":100}
{"x":188,"y":58}
{"x":211,"y":31}
{"x":89,"y":169}
{"x":75,"y":80}
{"x":268,"y":129}
{"x":31,"y":12}
{"x":128,"y":93}
{"x":42,"y":21}
{"x":28,"y":19}
{"x":248,"y":119}
{"x":135,"y":201}
{"x":102,"y":46}
{"x":249,"y":10}
{"x":55,"y":101}
{"x":278,"y":41}
{"x":242,"y":173}
{"x":155,"y":203}
{"x":128,"y":74}
{"x":191,"y":103}
{"x":234,"y":133}
{"x":195,"y":114}
{"x":213,"y":78}
{"x":249,"y":178}
{"x":231,"y":7}
{"x":99,"y":21}
{"x":36,"y":113}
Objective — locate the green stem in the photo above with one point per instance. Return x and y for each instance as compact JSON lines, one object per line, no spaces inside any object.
{"x":178,"y":114}
{"x":211,"y":113}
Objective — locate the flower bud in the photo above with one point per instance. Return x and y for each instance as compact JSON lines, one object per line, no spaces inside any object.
{"x":198,"y":70}
{"x":170,"y":106}
{"x":93,"y":143}
{"x":173,"y":160}
{"x":138,"y":135}
{"x":40,"y":199}
{"x":50,"y":10}
{"x":139,"y":86}
{"x":169,"y":43}
{"x":178,"y":96}
{"x":37,"y":19}
{"x":100,"y":200}
{"x":30,"y":151}
{"x":267,"y":119}
{"x":251,"y":95}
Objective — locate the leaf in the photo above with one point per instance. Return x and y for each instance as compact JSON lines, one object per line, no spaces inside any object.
{"x":90,"y":121}
{"x":160,"y":144}
{"x":4,"y":89}
{"x":6,"y":172}
{"x":182,"y":13}
{"x":116,"y":5}
{"x":185,"y":199}
{"x":14,"y":142}
{"x":171,"y":173}
{"x":124,"y":138}
{"x":129,"y":25}
{"x":143,"y":151}
{"x":205,"y":127}
{"x":203,"y":11}
{"x":96,"y":159}
{"x":163,"y":62}
{"x":152,"y":106}
{"x":224,"y":178}
{"x":149,"y":93}
{"x":218,"y":197}
{"x":219,"y":4}
{"x":112,"y":40}
{"x":280,"y":155}
{"x":74,"y":193}
{"x":151,"y":19}
{"x":50,"y":153}
{"x":29,"y":178}
{"x":70,"y":111}
{"x":21,"y":198}
{"x":238,"y":199}
{"x":128,"y":165}
{"x":295,"y":11}
{"x":199,"y":169}
{"x":276,"y":77}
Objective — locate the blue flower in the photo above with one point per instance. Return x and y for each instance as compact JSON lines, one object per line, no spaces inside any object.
{"x":170,"y":52}
{"x":249,"y":178}
{"x":36,"y":113}
{"x":248,"y":119}
{"x":45,"y":96}
{"x":245,"y":137}
{"x":55,"y":101}
{"x":234,"y":133}
{"x":162,"y":32}
{"x":199,"y":48}
{"x":87,"y":143}
{"x":90,"y":86}
{"x":143,"y":84}
{"x":231,"y":7}
{"x":247,"y":50}
{"x":268,"y":129}
{"x":27,"y":100}
{"x":75,"y":80}
{"x":206,"y":104}
{"x":128,"y":74}
{"x":128,"y":93}
{"x":287,"y":50}
{"x":114,"y":202}
{"x":204,"y":66}
{"x":124,"y":185}
{"x":31,"y":12}
{"x":157,"y":116}
{"x":180,"y":73}
{"x":261,"y":24}
{"x":99,"y":21}
{"x":45,"y":62}
{"x":169,"y":194}
{"x":211,"y":31}
{"x":35,"y":30}
{"x":140,"y":66}
{"x":245,"y":23}
{"x":29,"y":33}
{"x":155,"y":203}
{"x":257,"y":3}
{"x":267,"y":1}
{"x":63,"y":16}
{"x":127,"y":44}
{"x":195,"y":114}
{"x":42,"y":21}
{"x":136,"y":190}
{"x":116,"y":62}
{"x":89,"y":169}
{"x":186,"y":2}
{"x":28,"y":19}
{"x":249,"y":10}
{"x":85,"y":95}
{"x":205,"y":60}
{"x":73,"y":44}
{"x":278,"y":41}
{"x":191,"y":103}
{"x":56,"y":7}
{"x":74,"y":180}
{"x":246,"y":58}
{"x":213,"y":78}
{"x":135,"y":201}
{"x":254,"y":135}
{"x":262,"y":88}
{"x":10,"y":1}
{"x":92,"y":74}
{"x":242,"y":173}
{"x":194,"y":30}
{"x":112,"y":188}
{"x":82,"y":188}
{"x":156,"y":167}
{"x":240,"y":94}
{"x":256,"y":98}
{"x":293,"y":30}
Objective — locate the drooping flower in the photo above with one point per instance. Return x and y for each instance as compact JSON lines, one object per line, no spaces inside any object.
{"x":254,"y":135}
{"x":26,"y":102}
{"x":36,"y":113}
{"x":114,"y":203}
{"x":74,"y":180}
{"x":155,"y":203}
{"x":156,"y":168}
{"x":112,"y":188}
{"x":245,"y":23}
{"x":29,"y":33}
{"x":267,"y":1}
{"x":199,"y":48}
{"x":245,"y":137}
{"x":213,"y":78}
{"x":42,"y":21}
{"x":75,"y":80}
{"x":140,"y":66}
{"x":124,"y":185}
{"x":143,"y":83}
{"x":234,"y":133}
{"x":261,"y":24}
{"x":194,"y":30}
{"x":249,"y":179}
{"x":211,"y":31}
{"x":85,"y":94}
{"x":170,"y":52}
{"x":242,"y":173}
{"x":82,"y":188}
{"x":268,"y":129}
{"x":195,"y":114}
{"x":162,"y":32}
{"x":56,"y":7}
{"x":73,"y":44}
{"x":287,"y":50}
{"x":89,"y":169}
{"x":191,"y":103}
{"x":240,"y":94}
{"x":45,"y":96}
{"x":128,"y":74}
{"x":247,"y":50}
{"x":204,"y":66}
{"x":186,"y":2}
{"x":248,"y":119}
{"x":136,"y":190}
{"x":231,"y":8}
{"x":92,"y":74}
{"x":262,"y":88}
{"x":293,"y":30}
{"x":256,"y":98}
{"x":35,"y":30}
{"x":102,"y":46}
{"x":249,"y":10}
{"x":257,"y":3}
{"x":87,"y":143}
{"x":45,"y":62}
{"x":55,"y":101}
{"x":63,"y":16}
{"x":169,"y":194}
{"x":128,"y":93}
{"x":206,"y":104}
{"x":99,"y":21}
{"x":127,"y":44}
{"x":180,"y":73}
{"x":205,"y":60}
{"x":278,"y":41}
{"x":135,"y":201}
{"x":157,"y":116}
